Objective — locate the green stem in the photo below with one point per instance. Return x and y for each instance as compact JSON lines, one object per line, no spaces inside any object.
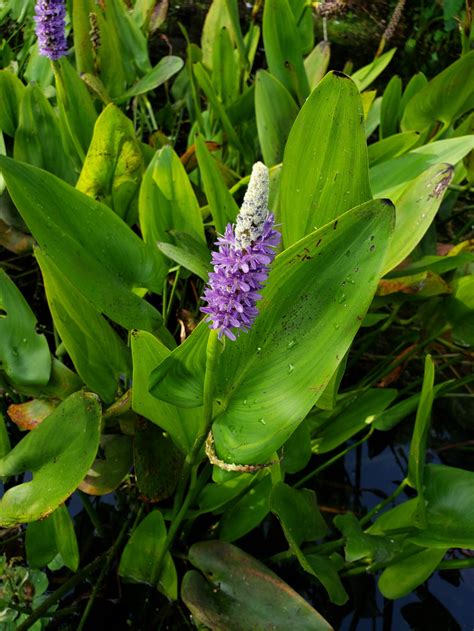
{"x":457,"y":564}
{"x":192,"y":461}
{"x":384,"y":503}
{"x":90,"y":510}
{"x":171,"y":298}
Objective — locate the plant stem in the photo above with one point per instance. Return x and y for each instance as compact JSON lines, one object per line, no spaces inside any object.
{"x":90,"y":510}
{"x":192,"y":461}
{"x":384,"y":503}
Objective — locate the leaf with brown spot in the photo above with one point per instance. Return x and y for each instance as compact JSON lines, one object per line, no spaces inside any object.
{"x":30,"y":414}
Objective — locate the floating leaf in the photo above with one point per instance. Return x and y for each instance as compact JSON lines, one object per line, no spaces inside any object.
{"x":242,"y":594}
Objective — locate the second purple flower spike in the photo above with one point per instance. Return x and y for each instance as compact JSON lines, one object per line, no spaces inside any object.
{"x":50,"y":24}
{"x":242,"y":261}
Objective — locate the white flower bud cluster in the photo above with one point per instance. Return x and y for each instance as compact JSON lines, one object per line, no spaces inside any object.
{"x":254,"y":210}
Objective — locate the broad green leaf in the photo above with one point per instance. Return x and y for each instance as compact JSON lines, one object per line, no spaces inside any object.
{"x":317,"y":62}
{"x":391,"y":177}
{"x":223,"y":206}
{"x":110,"y":467}
{"x":179,"y":378}
{"x":283,"y":48}
{"x":327,"y":400}
{"x":24,"y":354}
{"x":4,"y":438}
{"x":325,"y":166}
{"x":402,"y":577}
{"x":12,"y":91}
{"x":416,"y":209}
{"x":217,"y":18}
{"x":298,"y":513}
{"x":392,"y":147}
{"x":157,"y":462}
{"x":179,"y":423}
{"x":372,"y":119}
{"x":448,"y":494}
{"x":188,"y":254}
{"x":114,"y":165}
{"x":276,"y":111}
{"x":59,"y":452}
{"x":167,"y":201}
{"x":248,"y":512}
{"x":99,"y":253}
{"x":240,"y":593}
{"x":460,"y":310}
{"x":38,"y":138}
{"x":51,"y":536}
{"x":76,"y":106}
{"x":142,"y":553}
{"x":390,"y":108}
{"x":416,"y":462}
{"x":366,"y":75}
{"x":400,"y":517}
{"x":357,"y":415}
{"x":233,"y":11}
{"x":416,"y":83}
{"x":163,"y":71}
{"x":446,"y":97}
{"x":99,"y":355}
{"x":316,"y":297}
{"x":81,"y":27}
{"x":62,"y":383}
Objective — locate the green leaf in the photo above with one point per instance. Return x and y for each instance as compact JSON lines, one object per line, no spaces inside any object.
{"x":416,"y":462}
{"x":283,"y":48}
{"x":275,"y":111}
{"x":366,"y":75}
{"x":4,"y":438}
{"x":38,"y":138}
{"x":217,"y":18}
{"x":444,"y":99}
{"x":206,"y":86}
{"x":358,"y":414}
{"x":93,"y":247}
{"x":240,"y":593}
{"x":114,"y":165}
{"x":163,"y":71}
{"x":325,"y":166}
{"x":76,"y":106}
{"x":51,"y":536}
{"x":99,"y":355}
{"x":317,"y":63}
{"x":158,"y":462}
{"x":391,"y":177}
{"x":223,"y":206}
{"x":225,"y":68}
{"x":189,"y":254}
{"x":110,"y":467}
{"x":416,"y":208}
{"x":392,"y":147}
{"x":298,"y":513}
{"x":297,"y":449}
{"x":448,"y":494}
{"x":248,"y":512}
{"x":178,"y":379}
{"x":141,"y":555}
{"x":390,"y":108}
{"x":290,"y":339}
{"x":81,"y":27}
{"x":62,"y":383}
{"x":179,"y":423}
{"x":167,"y":201}
{"x":304,"y":21}
{"x":325,"y":569}
{"x":59,"y":452}
{"x":24,"y":354}
{"x":214,"y":497}
{"x":327,"y":400}
{"x":12,"y":91}
{"x":359,"y":545}
{"x":402,"y":577}
{"x":416,"y":83}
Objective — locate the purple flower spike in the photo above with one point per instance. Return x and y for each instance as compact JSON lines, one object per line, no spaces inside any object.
{"x":242,"y":261}
{"x":50,"y":24}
